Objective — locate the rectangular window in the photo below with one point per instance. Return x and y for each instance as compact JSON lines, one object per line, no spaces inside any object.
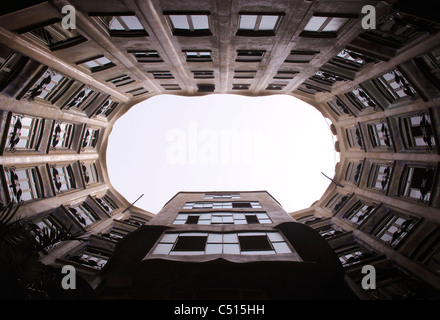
{"x":336,"y":202}
{"x":146,"y":56}
{"x":254,"y":24}
{"x":238,"y":74}
{"x":83,"y":214}
{"x":189,"y":23}
{"x":339,"y":107}
{"x":54,"y":36}
{"x":91,"y":258}
{"x":221,"y":205}
{"x":297,"y":56}
{"x":123,"y":25}
{"x":90,"y":138}
{"x":208,"y":74}
{"x":379,"y":135}
{"x":49,"y":86}
{"x":161,"y":74}
{"x":240,"y":86}
{"x":171,"y":86}
{"x":81,"y":98}
{"x":359,"y":213}
{"x":417,"y":183}
{"x":95,"y":64}
{"x":394,"y":228}
{"x":63,"y":178}
{"x":249,"y":55}
{"x":353,"y":173}
{"x":198,"y":55}
{"x":24,"y":133}
{"x":23,"y":184}
{"x":89,"y":172}
{"x":324,"y":26}
{"x":62,"y":135}
{"x":106,"y":107}
{"x":222,"y":196}
{"x":121,"y":80}
{"x":199,"y":243}
{"x":395,"y":86}
{"x":379,"y":177}
{"x":351,"y":60}
{"x":275,"y":86}
{"x":351,"y":257}
{"x":135,"y":221}
{"x":106,"y":203}
{"x":222,"y":218}
{"x":418,"y":132}
{"x":354,"y":138}
{"x":285,"y":74}
{"x":360,"y":99}
{"x":137,"y":92}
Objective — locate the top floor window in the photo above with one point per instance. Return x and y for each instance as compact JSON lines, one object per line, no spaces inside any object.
{"x":393,"y":228}
{"x":48,"y":86}
{"x":221,"y":205}
{"x":395,"y":86}
{"x":222,"y":196}
{"x":418,"y":132}
{"x":123,"y":25}
{"x":321,"y":25}
{"x":54,"y":36}
{"x":189,"y":23}
{"x":254,"y":24}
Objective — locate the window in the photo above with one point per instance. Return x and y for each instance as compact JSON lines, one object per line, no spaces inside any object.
{"x":146,"y":56}
{"x":418,"y":132}
{"x":114,"y":234}
{"x":95,"y":64}
{"x":379,"y":177}
{"x":354,"y":170}
{"x":23,"y":184}
{"x":275,"y":86}
{"x":199,"y":243}
{"x":205,"y":87}
{"x":24,"y":133}
{"x":428,"y":254}
{"x":83,"y":214}
{"x":429,"y":64}
{"x":189,"y":23}
{"x":203,"y":74}
{"x":417,"y":183}
{"x":93,"y":258}
{"x":221,"y":205}
{"x":47,"y":225}
{"x":351,"y":60}
{"x":54,"y":36}
{"x":336,"y":202}
{"x":339,"y":107}
{"x":135,"y":221}
{"x":106,"y":203}
{"x":84,"y":95}
{"x":329,"y":232}
{"x":62,"y":135}
{"x":90,"y":138}
{"x":352,"y":256}
{"x":326,"y":78}
{"x":123,"y":25}
{"x":395,"y":86}
{"x":297,"y":56}
{"x":324,"y":26}
{"x":394,"y":228}
{"x":222,"y":218}
{"x":238,"y":74}
{"x":121,"y":80}
{"x":49,"y":86}
{"x":197,"y":55}
{"x":360,"y":99}
{"x":10,"y":61}
{"x":171,"y":86}
{"x":241,"y":86}
{"x":137,"y":92}
{"x":285,"y":74}
{"x":380,"y":135}
{"x":63,"y":178}
{"x":354,"y":138}
{"x":106,"y":107}
{"x":162,"y":74}
{"x":249,"y":55}
{"x":253,"y":24}
{"x":89,"y":172}
{"x":359,"y":213}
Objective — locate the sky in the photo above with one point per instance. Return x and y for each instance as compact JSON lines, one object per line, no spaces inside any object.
{"x":169,"y":144}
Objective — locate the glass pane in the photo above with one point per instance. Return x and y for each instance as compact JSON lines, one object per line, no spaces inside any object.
{"x":132,"y":22}
{"x":335,"y":24}
{"x":247,"y":22}
{"x":115,"y":24}
{"x":179,"y":21}
{"x":315,"y":23}
{"x":268,"y":22}
{"x":200,"y":22}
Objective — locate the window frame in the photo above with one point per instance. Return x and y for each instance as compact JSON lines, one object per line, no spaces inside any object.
{"x":100,"y":66}
{"x":127,"y":32}
{"x":255,"y":32}
{"x":190,"y":31}
{"x":320,"y":33}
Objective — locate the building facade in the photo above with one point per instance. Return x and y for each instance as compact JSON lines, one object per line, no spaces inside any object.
{"x":63,"y":89}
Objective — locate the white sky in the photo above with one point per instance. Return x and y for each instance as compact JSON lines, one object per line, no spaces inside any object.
{"x":218,"y":142}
